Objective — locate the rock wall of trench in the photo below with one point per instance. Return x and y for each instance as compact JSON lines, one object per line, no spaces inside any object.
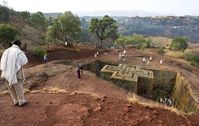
{"x":182,"y":94}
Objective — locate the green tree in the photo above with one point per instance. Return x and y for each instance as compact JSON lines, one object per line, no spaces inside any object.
{"x":179,"y":44}
{"x":7,"y":33}
{"x":26,"y":16}
{"x":51,"y":34}
{"x":104,"y":28}
{"x":38,"y":20}
{"x":4,"y":14}
{"x":65,"y":28}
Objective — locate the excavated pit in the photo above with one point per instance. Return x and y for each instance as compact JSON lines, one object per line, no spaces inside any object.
{"x":167,"y":87}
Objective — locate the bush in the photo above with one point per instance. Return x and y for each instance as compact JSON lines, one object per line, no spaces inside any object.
{"x":39,"y":52}
{"x":137,"y":41}
{"x":145,"y":45}
{"x":7,"y":33}
{"x":188,"y":56}
{"x":179,"y":44}
{"x":192,"y":57}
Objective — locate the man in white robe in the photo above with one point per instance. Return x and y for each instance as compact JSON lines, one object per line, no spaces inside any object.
{"x":12,"y":62}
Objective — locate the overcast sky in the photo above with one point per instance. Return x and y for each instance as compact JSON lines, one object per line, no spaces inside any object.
{"x":178,"y":7}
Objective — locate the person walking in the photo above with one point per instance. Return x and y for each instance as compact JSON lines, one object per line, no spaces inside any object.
{"x":45,"y":58}
{"x":78,"y":70}
{"x":12,"y":62}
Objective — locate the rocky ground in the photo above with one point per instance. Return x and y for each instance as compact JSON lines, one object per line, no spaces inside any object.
{"x":56,"y":97}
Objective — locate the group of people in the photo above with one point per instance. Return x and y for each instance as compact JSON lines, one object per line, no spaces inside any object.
{"x":167,"y":101}
{"x":148,"y":61}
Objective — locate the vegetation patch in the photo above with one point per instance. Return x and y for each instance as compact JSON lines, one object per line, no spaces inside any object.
{"x":175,"y":54}
{"x":137,"y":41}
{"x":39,"y":52}
{"x":192,"y":57}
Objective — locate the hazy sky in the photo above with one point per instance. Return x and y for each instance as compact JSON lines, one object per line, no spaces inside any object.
{"x":178,"y":7}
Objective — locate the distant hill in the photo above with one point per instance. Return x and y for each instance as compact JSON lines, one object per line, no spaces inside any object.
{"x":114,"y":13}
{"x":166,"y":26}
{"x":54,"y":15}
{"x":128,"y":13}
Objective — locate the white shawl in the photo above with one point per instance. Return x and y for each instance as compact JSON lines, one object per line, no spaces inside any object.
{"x":11,"y":61}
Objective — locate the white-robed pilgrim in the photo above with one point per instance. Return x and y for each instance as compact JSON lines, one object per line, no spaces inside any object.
{"x":12,"y":60}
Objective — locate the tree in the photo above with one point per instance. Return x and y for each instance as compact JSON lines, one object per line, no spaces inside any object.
{"x":4,"y":14}
{"x":65,"y":28}
{"x":104,"y":28}
{"x":7,"y":33}
{"x":38,"y":20}
{"x":179,"y":43}
{"x":25,"y":15}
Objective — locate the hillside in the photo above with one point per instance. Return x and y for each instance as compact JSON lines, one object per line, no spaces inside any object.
{"x":168,"y":26}
{"x":27,"y":30}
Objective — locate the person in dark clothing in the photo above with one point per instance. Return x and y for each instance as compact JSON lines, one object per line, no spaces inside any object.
{"x":79,"y":71}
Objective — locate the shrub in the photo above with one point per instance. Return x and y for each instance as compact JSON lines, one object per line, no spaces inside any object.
{"x":39,"y":52}
{"x":7,"y":33}
{"x":188,"y":56}
{"x":137,"y":41}
{"x":192,"y":57}
{"x":179,"y":44}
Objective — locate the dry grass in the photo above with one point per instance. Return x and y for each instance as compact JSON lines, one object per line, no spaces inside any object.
{"x":26,"y":91}
{"x":175,"y":54}
{"x":2,"y":93}
{"x":50,"y":90}
{"x":84,"y":92}
{"x":160,"y":41}
{"x":54,"y":90}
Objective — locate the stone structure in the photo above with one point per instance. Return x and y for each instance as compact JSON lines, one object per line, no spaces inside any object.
{"x":126,"y":72}
{"x":154,"y":84}
{"x":125,"y":75}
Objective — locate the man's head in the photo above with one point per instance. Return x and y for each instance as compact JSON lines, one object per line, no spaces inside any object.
{"x":17,"y":42}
